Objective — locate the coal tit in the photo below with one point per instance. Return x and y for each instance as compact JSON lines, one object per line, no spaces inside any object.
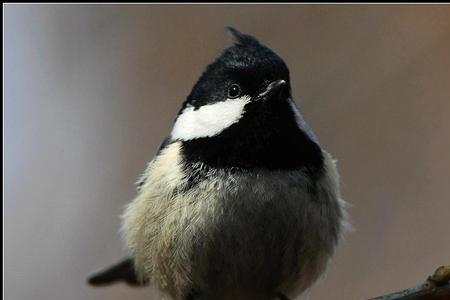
{"x":240,"y":201}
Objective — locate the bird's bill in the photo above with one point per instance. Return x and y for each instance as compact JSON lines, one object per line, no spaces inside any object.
{"x":272,"y":89}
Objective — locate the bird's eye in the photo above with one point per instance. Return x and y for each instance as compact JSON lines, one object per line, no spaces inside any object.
{"x":234,"y":91}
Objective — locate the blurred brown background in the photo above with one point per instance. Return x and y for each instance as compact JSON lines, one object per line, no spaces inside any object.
{"x":91,"y":90}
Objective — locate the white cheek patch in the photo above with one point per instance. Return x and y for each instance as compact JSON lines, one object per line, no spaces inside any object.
{"x":208,"y":120}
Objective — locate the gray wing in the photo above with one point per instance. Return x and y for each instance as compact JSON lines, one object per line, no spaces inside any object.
{"x":123,"y":271}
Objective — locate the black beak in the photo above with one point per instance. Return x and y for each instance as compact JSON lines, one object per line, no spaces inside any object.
{"x":274,"y":88}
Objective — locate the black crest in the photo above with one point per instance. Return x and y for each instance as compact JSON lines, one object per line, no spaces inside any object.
{"x":242,"y":39}
{"x":247,"y":62}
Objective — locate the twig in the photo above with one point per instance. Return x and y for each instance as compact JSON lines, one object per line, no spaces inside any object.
{"x":436,"y":287}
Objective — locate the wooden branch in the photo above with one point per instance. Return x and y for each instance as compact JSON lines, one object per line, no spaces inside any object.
{"x":436,"y":287}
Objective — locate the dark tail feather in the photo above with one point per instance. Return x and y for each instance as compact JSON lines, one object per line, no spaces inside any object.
{"x":122,"y":271}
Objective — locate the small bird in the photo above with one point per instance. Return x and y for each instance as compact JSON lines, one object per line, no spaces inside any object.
{"x":240,"y":200}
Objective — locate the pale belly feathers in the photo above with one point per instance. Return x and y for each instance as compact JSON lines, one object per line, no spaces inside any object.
{"x":234,"y":233}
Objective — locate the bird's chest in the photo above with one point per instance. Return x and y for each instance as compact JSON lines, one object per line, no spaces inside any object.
{"x":198,"y":223}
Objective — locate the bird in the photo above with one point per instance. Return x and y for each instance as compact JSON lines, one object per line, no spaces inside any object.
{"x":240,"y":200}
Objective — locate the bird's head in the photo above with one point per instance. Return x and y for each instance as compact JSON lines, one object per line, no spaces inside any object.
{"x":245,"y":76}
{"x":241,"y":101}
